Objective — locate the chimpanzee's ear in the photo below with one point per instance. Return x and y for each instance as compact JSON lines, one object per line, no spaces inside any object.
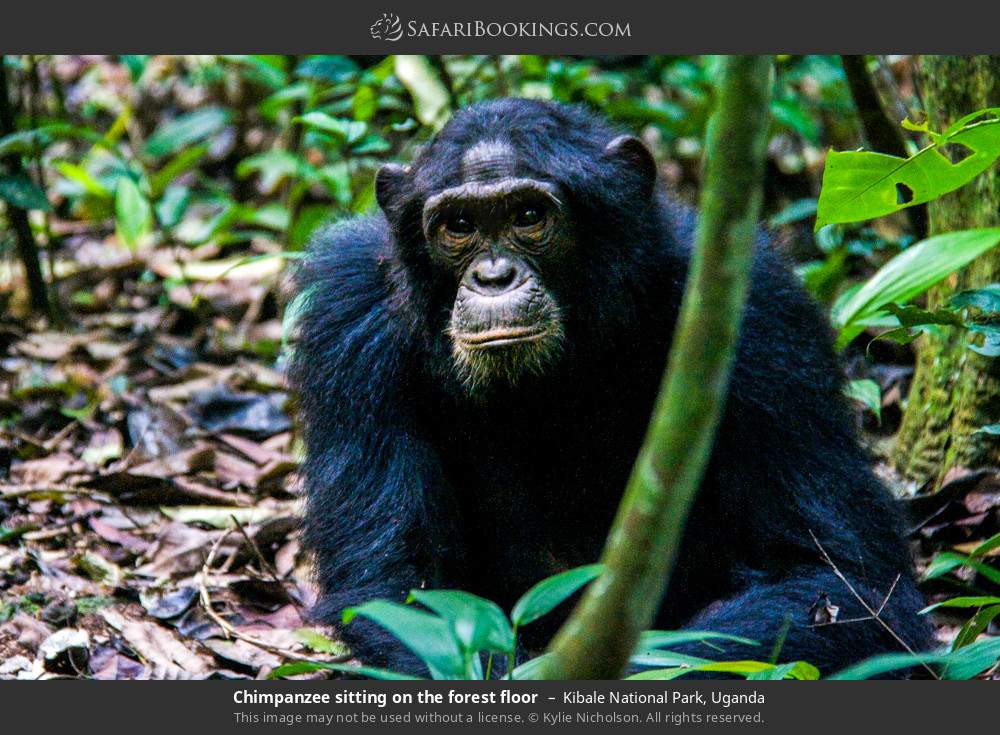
{"x":390,"y":183}
{"x":636,"y":156}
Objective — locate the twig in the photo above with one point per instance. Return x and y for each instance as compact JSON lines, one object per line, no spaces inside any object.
{"x":264,"y":563}
{"x":227,"y":629}
{"x":875,"y":615}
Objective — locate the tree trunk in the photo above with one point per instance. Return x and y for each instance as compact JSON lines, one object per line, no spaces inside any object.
{"x":602,"y":632}
{"x":955,"y":391}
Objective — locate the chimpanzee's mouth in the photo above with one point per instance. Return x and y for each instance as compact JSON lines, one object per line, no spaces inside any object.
{"x":500,"y":337}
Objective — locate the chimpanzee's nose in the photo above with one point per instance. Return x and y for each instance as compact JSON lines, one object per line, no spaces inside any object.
{"x":492,"y":276}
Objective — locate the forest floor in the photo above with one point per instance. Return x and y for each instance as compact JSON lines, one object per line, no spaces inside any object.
{"x":148,"y":489}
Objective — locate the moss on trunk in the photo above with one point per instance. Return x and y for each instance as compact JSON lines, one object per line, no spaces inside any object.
{"x":955,"y":390}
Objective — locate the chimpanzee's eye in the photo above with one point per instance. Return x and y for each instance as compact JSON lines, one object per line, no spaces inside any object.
{"x":460,"y":225}
{"x":529,"y":216}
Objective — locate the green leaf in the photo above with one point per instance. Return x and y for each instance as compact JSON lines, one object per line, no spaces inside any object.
{"x":990,"y":346}
{"x":549,"y":593}
{"x":993,"y":542}
{"x":860,"y":185}
{"x":132,"y":212}
{"x":184,"y":161}
{"x":348,"y":131}
{"x":364,"y":103}
{"x":667,"y":638}
{"x":79,"y":175}
{"x":307,"y":667}
{"x":909,"y":274}
{"x":948,"y":560}
{"x":795,"y":212}
{"x":867,"y":393}
{"x":972,"y":660}
{"x":30,"y":142}
{"x":316,"y":641}
{"x":660,"y":658}
{"x":885,"y":663}
{"x":479,"y":624}
{"x":963,"y":602}
{"x":274,"y":166}
{"x":986,"y":299}
{"x":659,"y":674}
{"x":976,"y":625}
{"x":914,"y":316}
{"x":429,"y":637}
{"x":799,"y":670}
{"x":530,"y":669}
{"x":20,"y":191}
{"x":182,"y":131}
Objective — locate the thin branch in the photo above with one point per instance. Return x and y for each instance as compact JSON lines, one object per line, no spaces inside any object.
{"x":864,"y":603}
{"x":227,"y":628}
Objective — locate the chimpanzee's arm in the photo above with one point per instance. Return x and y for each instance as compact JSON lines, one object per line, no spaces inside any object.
{"x":374,"y":487}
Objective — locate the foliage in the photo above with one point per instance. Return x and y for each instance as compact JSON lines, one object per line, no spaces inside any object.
{"x":860,"y":185}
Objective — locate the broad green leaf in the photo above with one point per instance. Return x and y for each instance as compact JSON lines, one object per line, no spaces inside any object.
{"x":963,"y":602}
{"x":431,"y":101}
{"x":861,"y":185}
{"x":349,"y":131}
{"x":132,"y":212}
{"x":549,"y":593}
{"x":479,"y":624}
{"x":20,"y":191}
{"x":909,"y":274}
{"x":182,"y":131}
{"x":307,"y":667}
{"x":986,"y":299}
{"x":868,"y":394}
{"x":429,"y":637}
{"x":274,"y":166}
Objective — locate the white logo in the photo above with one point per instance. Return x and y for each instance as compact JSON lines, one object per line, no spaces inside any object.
{"x":387,"y":28}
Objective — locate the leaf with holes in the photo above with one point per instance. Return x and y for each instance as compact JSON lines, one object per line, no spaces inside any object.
{"x":861,"y":185}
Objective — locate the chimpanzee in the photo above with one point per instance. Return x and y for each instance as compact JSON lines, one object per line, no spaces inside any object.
{"x":477,"y":365}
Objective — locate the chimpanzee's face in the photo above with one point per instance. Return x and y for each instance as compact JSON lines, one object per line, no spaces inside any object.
{"x":499,"y":233}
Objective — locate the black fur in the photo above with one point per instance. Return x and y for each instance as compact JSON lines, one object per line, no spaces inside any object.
{"x":413,"y":483}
